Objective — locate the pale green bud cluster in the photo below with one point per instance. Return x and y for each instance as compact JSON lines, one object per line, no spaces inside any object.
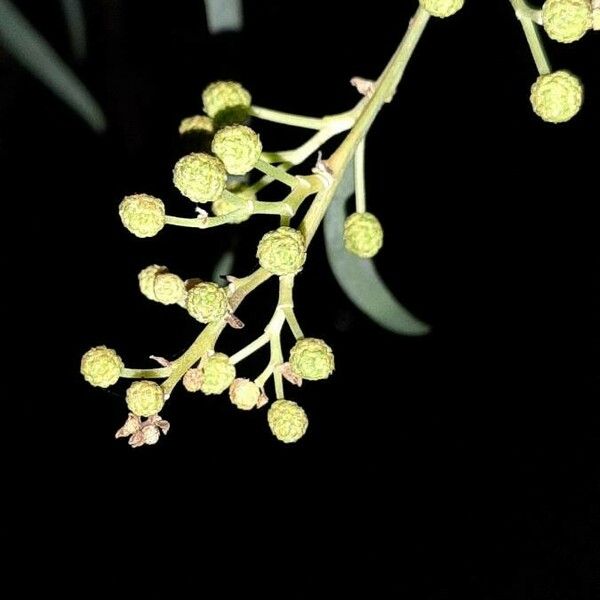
{"x":145,"y":398}
{"x":282,"y":251}
{"x":226,"y":101}
{"x":312,"y":359}
{"x":567,"y":20}
{"x":216,"y":374}
{"x":244,"y":393}
{"x":239,"y":148}
{"x":363,"y":235}
{"x":207,"y":302}
{"x":442,"y":8}
{"x":157,"y":284}
{"x":142,"y":214}
{"x":101,"y":366}
{"x":200,"y":177}
{"x":287,"y":421}
{"x":557,"y":97}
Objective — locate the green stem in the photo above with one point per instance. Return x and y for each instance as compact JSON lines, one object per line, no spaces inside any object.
{"x":284,"y":118}
{"x":251,"y":348}
{"x":533,"y":36}
{"x":360,"y":193}
{"x":523,"y":9}
{"x":385,"y":87}
{"x":276,"y":173}
{"x":158,"y":373}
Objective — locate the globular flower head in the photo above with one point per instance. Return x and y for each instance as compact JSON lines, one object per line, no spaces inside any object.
{"x":217,"y":374}
{"x":142,"y":214}
{"x":244,"y":393}
{"x":363,"y":234}
{"x":226,"y":102}
{"x":197,"y":124}
{"x":282,"y":251}
{"x":145,"y":398}
{"x":243,"y":204}
{"x":200,"y":177}
{"x":442,"y":8}
{"x":312,"y":359}
{"x":101,"y":366}
{"x":168,"y":288}
{"x":557,"y":97}
{"x":567,"y":20}
{"x":146,"y":279}
{"x":207,"y":302}
{"x":239,"y":148}
{"x":287,"y":421}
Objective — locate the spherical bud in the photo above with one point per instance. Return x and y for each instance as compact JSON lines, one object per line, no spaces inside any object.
{"x":363,"y":234}
{"x":557,"y":97}
{"x":226,"y":101}
{"x":239,"y":148}
{"x":145,"y":398}
{"x":101,"y":366}
{"x":312,"y":359}
{"x":200,"y":177}
{"x":169,"y":288}
{"x":243,"y":204}
{"x":244,"y":393}
{"x":567,"y":20}
{"x":146,"y":279}
{"x":207,"y":302}
{"x":192,"y":380}
{"x":282,"y":251}
{"x":287,"y":421}
{"x":196,"y":124}
{"x":442,"y":8}
{"x":142,"y":214}
{"x":217,"y":374}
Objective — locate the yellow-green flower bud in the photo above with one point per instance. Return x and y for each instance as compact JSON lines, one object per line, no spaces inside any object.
{"x":442,"y":8}
{"x":282,"y":251}
{"x":207,"y":302}
{"x":363,"y":235}
{"x":200,"y":177}
{"x":557,"y":97}
{"x":244,"y":393}
{"x":196,"y":124}
{"x":243,"y":204}
{"x":596,"y":18}
{"x":226,"y":101}
{"x":312,"y":359}
{"x":145,"y":398}
{"x":142,"y":214}
{"x":168,"y":288}
{"x":146,"y":279}
{"x":217,"y":374}
{"x":101,"y":366}
{"x":239,"y":148}
{"x":567,"y":20}
{"x":287,"y":421}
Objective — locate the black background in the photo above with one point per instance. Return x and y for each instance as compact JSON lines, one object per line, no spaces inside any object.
{"x":462,"y":464}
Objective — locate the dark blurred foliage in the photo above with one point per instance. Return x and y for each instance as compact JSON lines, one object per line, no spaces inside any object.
{"x":463,"y":464}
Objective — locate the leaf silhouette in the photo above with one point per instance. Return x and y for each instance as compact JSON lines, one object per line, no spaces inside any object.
{"x":224,"y":15}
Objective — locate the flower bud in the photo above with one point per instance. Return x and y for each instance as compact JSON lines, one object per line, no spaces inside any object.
{"x":226,"y":101}
{"x":557,"y":97}
{"x":282,"y":251}
{"x":142,"y":214}
{"x":239,"y":148}
{"x":196,"y":124}
{"x":169,"y":288}
{"x":146,"y":279}
{"x":442,"y":8}
{"x":567,"y":20}
{"x":101,"y":366}
{"x":207,"y":302}
{"x":312,"y":359}
{"x":145,"y":398}
{"x":217,"y":374}
{"x":244,"y":393}
{"x":363,"y":235}
{"x":287,"y":421}
{"x":200,"y":177}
